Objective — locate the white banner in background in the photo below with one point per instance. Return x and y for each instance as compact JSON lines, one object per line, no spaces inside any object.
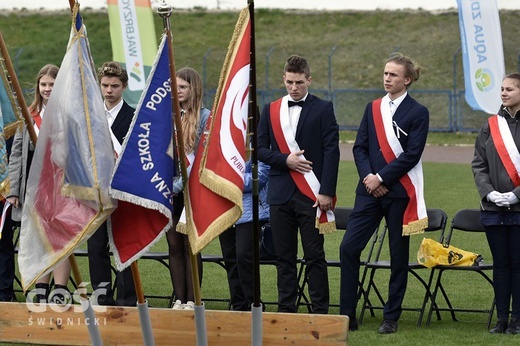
{"x":482,"y":53}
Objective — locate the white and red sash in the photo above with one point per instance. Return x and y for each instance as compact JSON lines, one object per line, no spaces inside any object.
{"x":190,"y":158}
{"x":415,"y":219}
{"x":307,"y":183}
{"x":37,"y":121}
{"x":506,"y":147}
{"x":115,"y":144}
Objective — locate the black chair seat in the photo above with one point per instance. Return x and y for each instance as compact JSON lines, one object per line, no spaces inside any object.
{"x":437,"y":219}
{"x":465,"y":220}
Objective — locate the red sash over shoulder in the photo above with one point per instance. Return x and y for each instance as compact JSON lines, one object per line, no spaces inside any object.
{"x":37,"y":120}
{"x":415,"y":219}
{"x":506,"y":147}
{"x":307,"y":183}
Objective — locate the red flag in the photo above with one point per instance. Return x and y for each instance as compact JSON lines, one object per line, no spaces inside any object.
{"x":213,"y":196}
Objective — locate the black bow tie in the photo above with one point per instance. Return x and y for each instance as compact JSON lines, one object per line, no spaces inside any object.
{"x":296,"y":103}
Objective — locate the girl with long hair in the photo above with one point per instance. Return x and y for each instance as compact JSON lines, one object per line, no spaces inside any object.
{"x":194,"y":118}
{"x":19,"y":164}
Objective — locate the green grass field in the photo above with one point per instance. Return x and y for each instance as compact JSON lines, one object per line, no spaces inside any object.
{"x":447,"y":186}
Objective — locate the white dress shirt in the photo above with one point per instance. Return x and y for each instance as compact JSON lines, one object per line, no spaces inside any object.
{"x":294,"y":114}
{"x":112,"y":114}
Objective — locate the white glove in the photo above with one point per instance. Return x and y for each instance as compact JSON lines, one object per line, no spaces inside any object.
{"x":502,"y":202}
{"x":493,"y":196}
{"x":498,"y":198}
{"x":511,"y":198}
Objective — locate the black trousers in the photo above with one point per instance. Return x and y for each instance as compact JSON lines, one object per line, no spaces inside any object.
{"x":366,"y":216}
{"x":7,"y":261}
{"x":504,"y":242}
{"x":101,"y":273}
{"x":236,"y":244}
{"x":286,"y":220}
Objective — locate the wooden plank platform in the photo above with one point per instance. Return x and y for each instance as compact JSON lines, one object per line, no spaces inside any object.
{"x":120,"y":326}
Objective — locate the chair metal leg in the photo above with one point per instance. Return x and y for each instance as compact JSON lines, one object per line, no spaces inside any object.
{"x":433,"y":304}
{"x":302,"y":277}
{"x":448,"y":302}
{"x":366,"y":301}
{"x":491,"y":311}
{"x":427,"y":294}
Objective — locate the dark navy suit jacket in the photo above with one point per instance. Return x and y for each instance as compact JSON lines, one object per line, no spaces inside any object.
{"x":317,"y":134}
{"x":412,"y":118}
{"x":122,"y":122}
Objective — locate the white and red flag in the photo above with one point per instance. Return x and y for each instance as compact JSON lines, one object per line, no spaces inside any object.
{"x":213,"y":196}
{"x":67,"y":190}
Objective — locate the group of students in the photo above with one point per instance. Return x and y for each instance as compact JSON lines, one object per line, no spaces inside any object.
{"x":113,"y":79}
{"x":298,"y":149}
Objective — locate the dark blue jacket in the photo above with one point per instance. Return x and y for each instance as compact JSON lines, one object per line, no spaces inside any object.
{"x":318,"y":134}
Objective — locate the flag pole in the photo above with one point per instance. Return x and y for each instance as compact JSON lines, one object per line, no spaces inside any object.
{"x":17,"y":90}
{"x":72,"y":259}
{"x":86,"y":304}
{"x":142,"y":307}
{"x":165,"y":11}
{"x":256,"y":310}
{"x":254,"y":156}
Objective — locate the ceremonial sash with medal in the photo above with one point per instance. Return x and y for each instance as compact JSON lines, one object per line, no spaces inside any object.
{"x":415,"y":219}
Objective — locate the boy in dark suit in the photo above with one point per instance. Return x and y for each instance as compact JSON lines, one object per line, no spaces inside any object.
{"x":113,"y":80}
{"x":298,"y":137}
{"x":387,"y":152}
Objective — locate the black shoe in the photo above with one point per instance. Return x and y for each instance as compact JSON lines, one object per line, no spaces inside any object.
{"x":42,"y":292}
{"x":500,"y":327}
{"x":352,"y":324}
{"x":60,"y":295}
{"x":103,"y":300}
{"x":388,"y":327}
{"x":514,"y":326}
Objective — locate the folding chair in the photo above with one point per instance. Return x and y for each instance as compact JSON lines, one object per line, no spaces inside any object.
{"x":342,"y":215}
{"x":437,"y":219}
{"x":465,"y":220}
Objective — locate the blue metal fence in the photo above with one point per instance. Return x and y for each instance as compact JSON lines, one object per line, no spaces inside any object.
{"x":349,"y":106}
{"x":449,"y":111}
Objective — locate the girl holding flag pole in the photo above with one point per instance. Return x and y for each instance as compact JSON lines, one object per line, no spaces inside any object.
{"x":19,"y":164}
{"x":194,"y":118}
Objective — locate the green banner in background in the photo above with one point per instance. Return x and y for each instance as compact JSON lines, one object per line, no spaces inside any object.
{"x":134,"y":42}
